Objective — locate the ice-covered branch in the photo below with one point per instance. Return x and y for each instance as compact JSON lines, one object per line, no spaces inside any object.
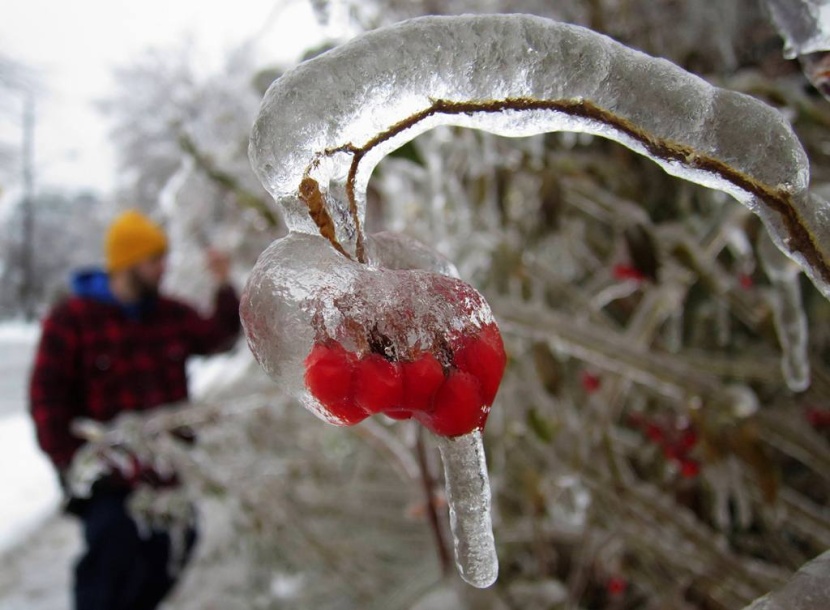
{"x":329,"y":121}
{"x":343,"y":321}
{"x":805,"y":26}
{"x":809,"y":589}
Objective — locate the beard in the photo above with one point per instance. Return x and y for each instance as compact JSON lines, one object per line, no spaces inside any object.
{"x":146,"y":289}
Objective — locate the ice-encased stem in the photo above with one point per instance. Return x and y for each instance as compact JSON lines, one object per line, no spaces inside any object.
{"x":803,"y":24}
{"x":325,"y":124}
{"x":805,"y":27}
{"x":468,"y":496}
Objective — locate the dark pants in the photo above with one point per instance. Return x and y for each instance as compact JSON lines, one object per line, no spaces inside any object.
{"x":120,"y":569}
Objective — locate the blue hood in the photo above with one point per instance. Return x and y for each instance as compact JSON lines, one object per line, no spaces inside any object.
{"x":95,"y":284}
{"x":92,"y":284}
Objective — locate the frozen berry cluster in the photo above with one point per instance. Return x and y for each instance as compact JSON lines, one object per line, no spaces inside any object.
{"x":450,"y":393}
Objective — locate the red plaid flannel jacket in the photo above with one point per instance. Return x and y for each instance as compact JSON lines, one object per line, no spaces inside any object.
{"x":94,"y":361}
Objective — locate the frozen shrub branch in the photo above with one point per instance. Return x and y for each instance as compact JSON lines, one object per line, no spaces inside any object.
{"x":226,"y":180}
{"x":532,"y":76}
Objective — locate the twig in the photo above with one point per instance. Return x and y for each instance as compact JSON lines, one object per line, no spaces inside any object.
{"x":427,"y":482}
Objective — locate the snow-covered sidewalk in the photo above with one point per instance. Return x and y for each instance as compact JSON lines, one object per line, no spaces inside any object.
{"x":36,"y":574}
{"x":37,"y":545}
{"x":28,"y":490}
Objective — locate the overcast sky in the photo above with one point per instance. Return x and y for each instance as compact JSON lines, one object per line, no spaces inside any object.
{"x":74,"y":45}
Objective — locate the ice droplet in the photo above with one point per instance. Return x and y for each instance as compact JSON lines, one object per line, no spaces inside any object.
{"x":468,"y":495}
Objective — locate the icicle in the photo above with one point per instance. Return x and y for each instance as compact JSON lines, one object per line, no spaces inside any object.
{"x":788,"y":314}
{"x":468,"y":495}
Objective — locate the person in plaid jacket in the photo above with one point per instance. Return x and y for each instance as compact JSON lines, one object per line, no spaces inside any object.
{"x":117,"y":345}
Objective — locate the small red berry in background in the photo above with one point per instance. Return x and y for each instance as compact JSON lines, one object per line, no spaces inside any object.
{"x":689,"y":468}
{"x":625,"y":272}
{"x":676,"y":439}
{"x":590,"y":382}
{"x":654,"y":432}
{"x":818,"y":418}
{"x":745,"y":280}
{"x":616,"y":586}
{"x":688,"y":439}
{"x":378,"y":384}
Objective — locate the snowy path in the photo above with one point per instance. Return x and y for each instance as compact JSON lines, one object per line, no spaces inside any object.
{"x":36,"y":575}
{"x":36,"y":545}
{"x":28,"y":490}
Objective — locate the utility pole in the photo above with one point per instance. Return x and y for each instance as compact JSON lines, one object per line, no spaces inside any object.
{"x":27,"y":282}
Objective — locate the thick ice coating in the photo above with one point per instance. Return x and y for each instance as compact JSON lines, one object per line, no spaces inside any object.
{"x":805,"y":25}
{"x":351,"y":325}
{"x":809,"y":589}
{"x":468,"y":495}
{"x":356,"y":339}
{"x":324,"y":125}
{"x":385,"y":336}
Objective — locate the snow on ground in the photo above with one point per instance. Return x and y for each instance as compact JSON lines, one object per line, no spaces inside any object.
{"x":28,"y":489}
{"x":39,"y":545}
{"x":36,"y":545}
{"x":37,"y":574}
{"x":19,"y":331}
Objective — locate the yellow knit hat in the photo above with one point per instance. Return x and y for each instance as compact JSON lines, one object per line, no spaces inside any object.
{"x":132,"y":238}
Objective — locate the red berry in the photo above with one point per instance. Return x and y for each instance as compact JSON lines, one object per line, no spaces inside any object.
{"x":628,"y":272}
{"x":458,"y":407}
{"x":329,"y":372}
{"x":689,"y":469}
{"x":398,"y":413}
{"x":616,"y":585}
{"x":745,"y":280}
{"x":421,"y":379}
{"x":688,"y":439}
{"x":818,"y":418}
{"x":590,"y":382}
{"x":635,"y":418}
{"x":654,"y":432}
{"x":347,"y":413}
{"x":483,"y":357}
{"x":378,"y":384}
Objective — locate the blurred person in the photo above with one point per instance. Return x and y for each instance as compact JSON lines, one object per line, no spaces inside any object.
{"x":117,"y":345}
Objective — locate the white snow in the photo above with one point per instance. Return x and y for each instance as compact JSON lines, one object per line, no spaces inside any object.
{"x":28,"y":488}
{"x":19,"y":331}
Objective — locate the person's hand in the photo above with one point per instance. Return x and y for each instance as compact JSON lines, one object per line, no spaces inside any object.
{"x":219,"y":265}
